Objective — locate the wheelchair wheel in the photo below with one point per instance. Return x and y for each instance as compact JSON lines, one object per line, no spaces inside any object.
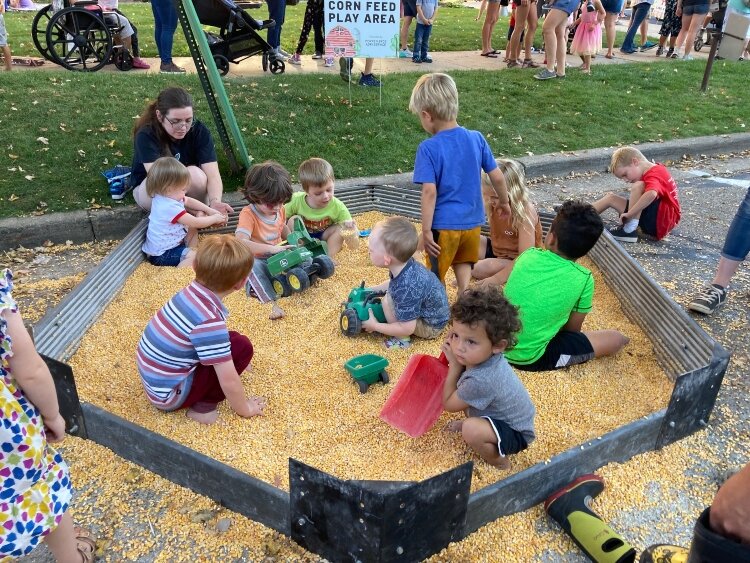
{"x":276,"y":66}
{"x":123,"y":59}
{"x":265,"y":61}
{"x":222,"y":64}
{"x":79,"y":40}
{"x":39,"y":31}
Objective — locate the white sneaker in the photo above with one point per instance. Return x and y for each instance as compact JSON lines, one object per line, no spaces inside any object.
{"x":279,"y":55}
{"x":405,"y":53}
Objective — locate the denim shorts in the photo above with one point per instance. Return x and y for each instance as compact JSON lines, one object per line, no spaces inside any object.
{"x":737,"y":243}
{"x":567,"y":6}
{"x":613,"y":6}
{"x":171,"y":257}
{"x":695,"y":9}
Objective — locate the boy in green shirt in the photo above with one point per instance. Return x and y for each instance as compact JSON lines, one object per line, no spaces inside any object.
{"x":325,"y":216}
{"x":554,"y":294}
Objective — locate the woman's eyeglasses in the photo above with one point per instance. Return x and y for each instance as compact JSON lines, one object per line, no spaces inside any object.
{"x":180,"y":123}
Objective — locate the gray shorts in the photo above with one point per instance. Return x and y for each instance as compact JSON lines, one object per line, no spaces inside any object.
{"x":3,"y":33}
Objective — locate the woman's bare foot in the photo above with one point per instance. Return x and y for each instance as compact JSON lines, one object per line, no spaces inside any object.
{"x":454,"y":426}
{"x":276,"y":313}
{"x":203,"y":417}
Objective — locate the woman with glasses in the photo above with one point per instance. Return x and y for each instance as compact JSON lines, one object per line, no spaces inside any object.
{"x":167,"y":128}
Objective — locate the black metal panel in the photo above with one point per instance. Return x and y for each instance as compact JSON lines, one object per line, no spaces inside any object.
{"x":383,"y":521}
{"x":237,"y":491}
{"x":693,"y":399}
{"x":67,"y":397}
{"x":531,"y":486}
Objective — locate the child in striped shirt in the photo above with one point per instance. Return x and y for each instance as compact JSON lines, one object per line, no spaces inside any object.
{"x":187,"y":358}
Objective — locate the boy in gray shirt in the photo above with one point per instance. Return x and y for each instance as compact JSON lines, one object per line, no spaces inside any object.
{"x":500,"y":414}
{"x":426,"y":13}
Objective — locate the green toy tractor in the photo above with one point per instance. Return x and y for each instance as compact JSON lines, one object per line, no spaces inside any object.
{"x":361,"y":301}
{"x":295,"y":269}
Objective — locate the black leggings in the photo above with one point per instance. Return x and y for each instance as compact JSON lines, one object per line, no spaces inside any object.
{"x":314,"y":20}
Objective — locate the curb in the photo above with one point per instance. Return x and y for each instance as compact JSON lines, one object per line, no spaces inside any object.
{"x":105,"y":224}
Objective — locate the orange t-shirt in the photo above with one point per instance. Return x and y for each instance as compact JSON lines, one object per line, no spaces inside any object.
{"x":259,"y":228}
{"x":504,"y":237}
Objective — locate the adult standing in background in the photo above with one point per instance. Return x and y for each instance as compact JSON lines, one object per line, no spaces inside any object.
{"x":276,"y":12}
{"x":612,"y":8}
{"x":165,"y":24}
{"x":526,"y":18}
{"x":692,"y":13}
{"x":640,"y":11}
{"x":408,"y":13}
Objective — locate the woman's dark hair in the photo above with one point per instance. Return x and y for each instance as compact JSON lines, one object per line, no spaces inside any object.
{"x":577,"y":227}
{"x":169,"y":98}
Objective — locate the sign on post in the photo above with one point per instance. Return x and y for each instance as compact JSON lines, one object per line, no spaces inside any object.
{"x":362,"y":28}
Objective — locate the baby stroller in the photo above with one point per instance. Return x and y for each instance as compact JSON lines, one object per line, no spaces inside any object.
{"x":707,"y":34}
{"x":238,"y":37}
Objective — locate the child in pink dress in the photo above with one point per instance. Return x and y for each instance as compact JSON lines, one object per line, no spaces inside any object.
{"x":588,"y":38}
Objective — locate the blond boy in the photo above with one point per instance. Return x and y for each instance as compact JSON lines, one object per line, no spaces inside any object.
{"x":448,"y":165}
{"x":187,"y":358}
{"x":325,"y":216}
{"x":652,"y":203}
{"x":415,"y":302}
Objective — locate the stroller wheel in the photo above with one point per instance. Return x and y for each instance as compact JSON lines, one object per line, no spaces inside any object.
{"x":222,"y":64}
{"x":698,"y":44}
{"x":265,"y":61}
{"x":277,"y":66}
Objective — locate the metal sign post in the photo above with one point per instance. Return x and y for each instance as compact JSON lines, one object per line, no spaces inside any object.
{"x":216,"y":95}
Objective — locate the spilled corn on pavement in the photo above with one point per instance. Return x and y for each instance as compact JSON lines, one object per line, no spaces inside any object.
{"x":654,"y":497}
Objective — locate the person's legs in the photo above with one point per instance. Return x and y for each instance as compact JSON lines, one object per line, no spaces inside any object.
{"x":514,"y":46}
{"x":165,"y":20}
{"x":62,"y":541}
{"x":332,"y":236}
{"x":639,"y":14}
{"x":404,"y":33}
{"x":488,"y":267}
{"x":695,"y":24}
{"x":479,"y":435}
{"x":562,"y":48}
{"x":318,"y":28}
{"x":8,"y":57}
{"x":419,"y":30}
{"x":531,"y":25}
{"x":463,"y":276}
{"x":686,"y":19}
{"x":307,"y":24}
{"x":555,"y":19}
{"x":198,"y":184}
{"x":276,"y":12}
{"x":606,"y":342}
{"x":609,"y":29}
{"x":425,"y":44}
{"x":490,"y":19}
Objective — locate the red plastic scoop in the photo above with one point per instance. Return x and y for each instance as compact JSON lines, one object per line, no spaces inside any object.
{"x":416,"y":401}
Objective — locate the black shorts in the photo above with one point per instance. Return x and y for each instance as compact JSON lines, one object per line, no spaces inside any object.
{"x":509,"y":441}
{"x":565,"y":349}
{"x":410,"y":8}
{"x":647,"y":222}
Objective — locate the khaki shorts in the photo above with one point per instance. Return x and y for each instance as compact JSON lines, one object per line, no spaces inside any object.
{"x":456,"y":247}
{"x":422,"y":330}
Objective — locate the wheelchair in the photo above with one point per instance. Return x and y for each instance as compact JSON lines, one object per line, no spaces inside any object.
{"x":78,"y":37}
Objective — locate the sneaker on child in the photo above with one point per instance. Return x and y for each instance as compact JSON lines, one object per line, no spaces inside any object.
{"x":405,"y":53}
{"x":295,"y":59}
{"x":427,"y":59}
{"x":648,"y":45}
{"x":396,"y":342}
{"x":328,"y":62}
{"x":709,"y":299}
{"x":620,"y":234}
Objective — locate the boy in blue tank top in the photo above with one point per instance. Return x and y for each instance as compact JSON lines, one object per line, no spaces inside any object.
{"x":448,"y":165}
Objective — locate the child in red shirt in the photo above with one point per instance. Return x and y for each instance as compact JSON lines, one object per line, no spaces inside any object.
{"x":653,"y":203}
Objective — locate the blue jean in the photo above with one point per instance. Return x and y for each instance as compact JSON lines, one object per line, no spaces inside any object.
{"x":421,"y":40}
{"x":165,"y":24}
{"x":276,"y":12}
{"x":737,"y":243}
{"x":639,"y":14}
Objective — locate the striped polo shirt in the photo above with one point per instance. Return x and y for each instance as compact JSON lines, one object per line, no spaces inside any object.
{"x":190,"y":329}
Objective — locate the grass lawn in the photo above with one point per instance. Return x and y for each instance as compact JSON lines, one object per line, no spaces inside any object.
{"x":455,"y":30}
{"x":61,"y":129}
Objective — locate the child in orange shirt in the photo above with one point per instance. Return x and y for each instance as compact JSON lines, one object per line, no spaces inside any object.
{"x":262,"y":226}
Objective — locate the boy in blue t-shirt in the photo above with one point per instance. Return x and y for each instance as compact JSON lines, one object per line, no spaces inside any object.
{"x":415,"y":302}
{"x":426,"y":14}
{"x":449,"y":165}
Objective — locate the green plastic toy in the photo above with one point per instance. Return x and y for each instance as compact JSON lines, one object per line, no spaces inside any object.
{"x":295,"y":269}
{"x":357,"y":308}
{"x":367,"y":369}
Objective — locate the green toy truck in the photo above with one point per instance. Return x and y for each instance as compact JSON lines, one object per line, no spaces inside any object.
{"x":295,"y":269}
{"x":361,"y":301}
{"x":367,"y":369}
